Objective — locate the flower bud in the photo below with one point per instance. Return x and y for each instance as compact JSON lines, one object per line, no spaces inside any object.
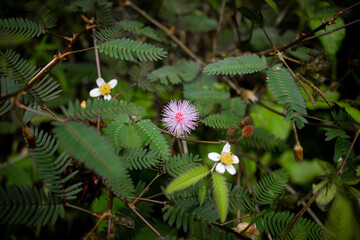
{"x":230,"y":135}
{"x":245,"y":121}
{"x":298,"y":152}
{"x":247,"y":131}
{"x":249,"y":96}
{"x":250,"y":232}
{"x":83,"y":104}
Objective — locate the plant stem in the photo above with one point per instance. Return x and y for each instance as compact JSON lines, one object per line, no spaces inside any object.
{"x":222,"y":10}
{"x":102,"y":218}
{"x":340,"y":171}
{"x":166,"y":30}
{"x":193,"y":140}
{"x":124,"y":90}
{"x":82,"y":209}
{"x":146,"y":188}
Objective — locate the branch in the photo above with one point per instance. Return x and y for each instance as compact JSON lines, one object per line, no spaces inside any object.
{"x":222,"y":10}
{"x":166,"y":30}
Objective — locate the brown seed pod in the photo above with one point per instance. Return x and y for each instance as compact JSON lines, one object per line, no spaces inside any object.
{"x":247,"y":131}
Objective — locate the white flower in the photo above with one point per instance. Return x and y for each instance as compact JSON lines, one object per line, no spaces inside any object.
{"x":104,"y":89}
{"x":226,"y":159}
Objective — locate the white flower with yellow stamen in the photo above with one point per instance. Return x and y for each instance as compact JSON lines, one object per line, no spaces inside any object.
{"x":104,"y":89}
{"x":226,"y":158}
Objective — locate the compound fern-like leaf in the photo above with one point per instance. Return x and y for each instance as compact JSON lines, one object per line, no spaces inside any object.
{"x":283,"y":86}
{"x":139,"y":158}
{"x":106,"y":109}
{"x":20,"y":27}
{"x":50,"y":169}
{"x":117,"y":131}
{"x":270,"y":186}
{"x":128,"y":49}
{"x":151,"y":136}
{"x":95,"y":151}
{"x":221,"y":193}
{"x":179,"y":163}
{"x":188,"y":178}
{"x":42,"y":13}
{"x":237,"y":65}
{"x":222,"y":121}
{"x":28,"y":206}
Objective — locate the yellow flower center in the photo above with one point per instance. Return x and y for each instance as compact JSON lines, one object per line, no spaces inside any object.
{"x":226,"y":158}
{"x":105,"y":89}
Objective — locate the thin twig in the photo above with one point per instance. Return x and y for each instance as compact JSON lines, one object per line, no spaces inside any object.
{"x":340,"y":171}
{"x":141,"y":218}
{"x":124,"y":90}
{"x":56,"y":118}
{"x":193,"y":140}
{"x":146,"y":188}
{"x":222,"y":10}
{"x":102,"y":218}
{"x":166,"y":30}
{"x":149,"y":200}
{"x":82,"y":209}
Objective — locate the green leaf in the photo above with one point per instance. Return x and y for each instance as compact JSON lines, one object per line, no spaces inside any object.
{"x":151,"y":135}
{"x":221,"y":193}
{"x":188,"y":178}
{"x":327,"y":195}
{"x":202,"y":195}
{"x":341,"y":220}
{"x":353,"y":112}
{"x":96,"y":152}
{"x":272,"y":4}
{"x":197,"y":23}
{"x":20,"y":27}
{"x":128,"y":49}
{"x":222,"y":121}
{"x":255,"y":18}
{"x":237,"y":65}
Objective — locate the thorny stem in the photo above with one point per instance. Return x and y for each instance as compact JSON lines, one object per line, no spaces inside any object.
{"x":47,"y":68}
{"x":222,"y":10}
{"x":146,"y":188}
{"x":340,"y":171}
{"x":82,"y":209}
{"x":56,"y":118}
{"x":169,"y":32}
{"x":132,"y":208}
{"x":306,"y":35}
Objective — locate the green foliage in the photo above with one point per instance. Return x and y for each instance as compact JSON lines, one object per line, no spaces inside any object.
{"x":188,"y":178}
{"x":42,"y":13}
{"x":264,"y":140}
{"x":128,"y":49}
{"x":197,"y":23}
{"x":94,"y":108}
{"x":221,"y":121}
{"x":270,"y":186}
{"x":4,"y":107}
{"x":301,"y":53}
{"x":20,"y":27}
{"x":117,"y":131}
{"x":342,"y":144}
{"x":353,"y":112}
{"x":234,"y":106}
{"x":95,"y":151}
{"x":108,"y":33}
{"x":237,"y":65}
{"x":341,"y":220}
{"x":138,"y":28}
{"x":50,"y":169}
{"x":177,"y":164}
{"x":239,"y":199}
{"x":274,"y":223}
{"x":28,"y":206}
{"x":138,"y":158}
{"x":181,"y":72}
{"x":221,"y":193}
{"x":283,"y":86}
{"x":104,"y":13}
{"x":151,"y":136}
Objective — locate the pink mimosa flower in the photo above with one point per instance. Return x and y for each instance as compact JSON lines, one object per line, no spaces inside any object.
{"x":180,"y":117}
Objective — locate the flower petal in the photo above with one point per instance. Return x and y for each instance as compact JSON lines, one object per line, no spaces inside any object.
{"x":235,"y":159}
{"x":100,"y":81}
{"x":231,"y":169}
{"x":220,"y":168}
{"x":95,"y":92}
{"x":227,"y":148}
{"x":112,"y":83}
{"x":213,"y":156}
{"x":107,"y":97}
